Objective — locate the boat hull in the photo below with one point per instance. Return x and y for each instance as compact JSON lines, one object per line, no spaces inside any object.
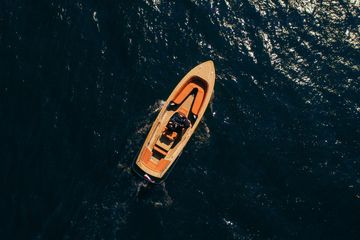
{"x":162,"y":147}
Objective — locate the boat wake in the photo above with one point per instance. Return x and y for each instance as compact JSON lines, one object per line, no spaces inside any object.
{"x":156,"y":107}
{"x":202,"y":135}
{"x":153,"y":195}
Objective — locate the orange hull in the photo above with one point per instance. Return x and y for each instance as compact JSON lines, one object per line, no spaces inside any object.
{"x":161,"y":148}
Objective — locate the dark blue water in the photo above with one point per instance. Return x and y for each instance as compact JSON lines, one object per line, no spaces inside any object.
{"x":275,"y":157}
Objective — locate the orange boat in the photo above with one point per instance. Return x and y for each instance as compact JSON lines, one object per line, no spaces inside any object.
{"x":175,"y":123}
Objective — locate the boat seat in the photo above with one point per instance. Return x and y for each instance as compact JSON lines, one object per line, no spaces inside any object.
{"x":156,"y":167}
{"x":170,"y":135}
{"x":163,"y":163}
{"x":146,"y":154}
{"x":160,"y":150}
{"x":198,"y":99}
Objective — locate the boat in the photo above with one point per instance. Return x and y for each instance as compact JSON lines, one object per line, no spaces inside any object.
{"x":187,"y":102}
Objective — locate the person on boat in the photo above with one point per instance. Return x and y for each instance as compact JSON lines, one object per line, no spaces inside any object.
{"x":178,"y":123}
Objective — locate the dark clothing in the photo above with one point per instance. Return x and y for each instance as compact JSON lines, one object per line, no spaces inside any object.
{"x":177,"y":123}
